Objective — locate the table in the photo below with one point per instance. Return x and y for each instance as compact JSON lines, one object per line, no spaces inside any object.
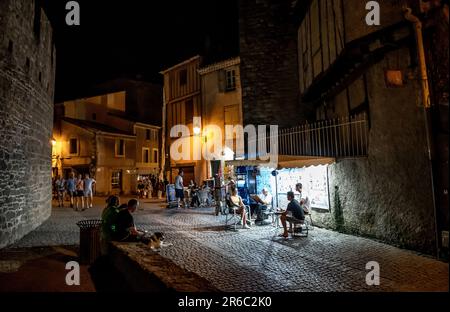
{"x":277,"y":214}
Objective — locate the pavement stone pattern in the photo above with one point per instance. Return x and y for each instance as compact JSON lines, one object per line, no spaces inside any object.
{"x":256,"y":259}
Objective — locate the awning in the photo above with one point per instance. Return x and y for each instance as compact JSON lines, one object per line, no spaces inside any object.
{"x":248,"y":163}
{"x":285,"y":161}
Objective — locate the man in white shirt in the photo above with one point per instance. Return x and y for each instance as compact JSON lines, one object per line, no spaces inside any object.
{"x":179,"y":188}
{"x":264,"y":203}
{"x":88,"y":193}
{"x":304,"y":201}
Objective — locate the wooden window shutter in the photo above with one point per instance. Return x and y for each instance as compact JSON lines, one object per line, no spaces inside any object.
{"x":222,"y":81}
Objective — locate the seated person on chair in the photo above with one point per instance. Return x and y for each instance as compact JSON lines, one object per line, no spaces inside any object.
{"x":264,"y":202}
{"x":293,"y":212}
{"x":125,"y":229}
{"x":236,"y":201}
{"x":195,"y":200}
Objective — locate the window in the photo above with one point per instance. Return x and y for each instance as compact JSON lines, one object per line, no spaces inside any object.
{"x":10,"y":46}
{"x":147,"y":134}
{"x":155,"y":156}
{"x":115,"y":179}
{"x":120,"y":148}
{"x":189,"y":111}
{"x":145,"y":155}
{"x":73,"y":146}
{"x":94,"y":116}
{"x":230,"y":80}
{"x":183,"y":77}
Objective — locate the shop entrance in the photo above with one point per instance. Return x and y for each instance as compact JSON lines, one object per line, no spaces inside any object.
{"x":189,"y":174}
{"x":116,"y":182}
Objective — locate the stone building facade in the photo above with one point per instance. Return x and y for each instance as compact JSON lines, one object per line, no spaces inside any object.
{"x":221,"y":107}
{"x":93,"y":135}
{"x":143,"y":99}
{"x":268,"y":55}
{"x":182,"y":102}
{"x":27,"y":73}
{"x":348,"y":68}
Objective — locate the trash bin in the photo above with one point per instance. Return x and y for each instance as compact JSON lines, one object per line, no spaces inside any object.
{"x":90,"y":244}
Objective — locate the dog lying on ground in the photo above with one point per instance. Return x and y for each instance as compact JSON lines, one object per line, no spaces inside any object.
{"x":155,"y":241}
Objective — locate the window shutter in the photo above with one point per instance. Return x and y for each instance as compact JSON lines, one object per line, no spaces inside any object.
{"x":222,"y":81}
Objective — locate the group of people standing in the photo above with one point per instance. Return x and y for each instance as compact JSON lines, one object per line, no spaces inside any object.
{"x":194,"y":192}
{"x":149,"y":187}
{"x":79,"y":190}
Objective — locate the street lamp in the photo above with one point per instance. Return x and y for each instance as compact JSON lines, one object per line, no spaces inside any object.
{"x":197,"y":130}
{"x":197,"y":126}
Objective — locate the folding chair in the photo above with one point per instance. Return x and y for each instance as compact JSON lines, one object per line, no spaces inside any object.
{"x":204,"y":198}
{"x":295,"y":225}
{"x":231,"y":213}
{"x":309,"y":222}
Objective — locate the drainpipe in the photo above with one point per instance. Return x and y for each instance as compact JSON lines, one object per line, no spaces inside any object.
{"x":426,"y":104}
{"x":163,"y":139}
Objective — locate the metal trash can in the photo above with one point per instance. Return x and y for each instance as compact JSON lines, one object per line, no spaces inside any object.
{"x":90,"y":244}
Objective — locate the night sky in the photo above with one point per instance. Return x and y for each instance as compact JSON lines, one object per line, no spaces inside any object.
{"x":127,"y":39}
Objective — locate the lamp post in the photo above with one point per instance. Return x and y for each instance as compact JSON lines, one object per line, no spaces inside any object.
{"x":275,"y":173}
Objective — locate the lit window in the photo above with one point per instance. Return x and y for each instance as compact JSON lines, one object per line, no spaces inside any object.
{"x":115,"y":179}
{"x":230,"y":80}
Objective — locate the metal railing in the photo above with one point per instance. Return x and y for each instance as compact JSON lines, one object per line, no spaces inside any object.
{"x":340,"y":137}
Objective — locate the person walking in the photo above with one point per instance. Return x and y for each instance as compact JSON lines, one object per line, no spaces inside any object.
{"x":61,"y":189}
{"x":179,"y":188}
{"x":79,"y":195}
{"x":88,"y":193}
{"x":71,"y":190}
{"x":160,"y":189}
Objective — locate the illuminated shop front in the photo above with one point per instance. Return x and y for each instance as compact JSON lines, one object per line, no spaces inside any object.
{"x":252,"y":177}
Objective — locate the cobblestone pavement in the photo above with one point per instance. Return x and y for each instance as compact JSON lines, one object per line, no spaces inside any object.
{"x":256,"y":259}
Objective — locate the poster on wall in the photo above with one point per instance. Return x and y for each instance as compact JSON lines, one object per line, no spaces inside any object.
{"x":315,"y":184}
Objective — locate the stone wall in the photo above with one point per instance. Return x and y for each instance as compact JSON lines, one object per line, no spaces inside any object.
{"x":269,"y":66}
{"x":387,"y":195}
{"x":145,"y":270}
{"x":27,"y":59}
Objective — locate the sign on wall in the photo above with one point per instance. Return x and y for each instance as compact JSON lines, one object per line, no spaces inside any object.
{"x":315,"y":185}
